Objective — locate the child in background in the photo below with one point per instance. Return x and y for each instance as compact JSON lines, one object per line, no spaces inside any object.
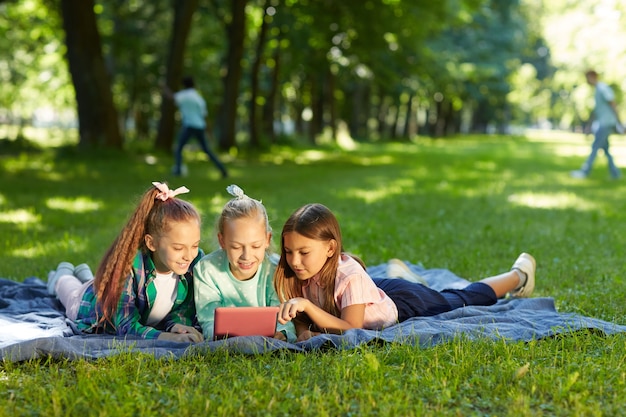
{"x":240,"y":272}
{"x":144,"y":285}
{"x":193,"y":113}
{"x":324,"y":289}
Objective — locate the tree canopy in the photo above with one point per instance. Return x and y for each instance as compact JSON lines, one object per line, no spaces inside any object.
{"x":277,"y":69}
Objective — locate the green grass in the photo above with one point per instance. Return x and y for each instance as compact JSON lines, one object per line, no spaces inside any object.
{"x":469,"y":204}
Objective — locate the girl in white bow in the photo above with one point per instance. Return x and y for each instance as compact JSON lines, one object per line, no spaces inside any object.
{"x":144,"y":284}
{"x":239,"y":273}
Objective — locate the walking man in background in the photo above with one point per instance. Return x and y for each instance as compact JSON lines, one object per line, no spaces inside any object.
{"x":605,"y":121}
{"x":193,"y":112}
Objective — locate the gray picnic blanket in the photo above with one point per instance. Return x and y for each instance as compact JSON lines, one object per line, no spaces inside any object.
{"x":32,"y":325}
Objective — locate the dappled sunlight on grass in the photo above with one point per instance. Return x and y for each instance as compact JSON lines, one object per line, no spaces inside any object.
{"x":273,"y":158}
{"x":443,"y":186}
{"x":486,"y":176}
{"x":570,"y":150}
{"x":385,"y":191}
{"x":618,"y":150}
{"x":19,"y":217}
{"x":74,"y":205}
{"x":309,"y":156}
{"x":378,"y":160}
{"x":539,"y":135}
{"x":280,"y":155}
{"x":486,"y":166}
{"x":213,"y":207}
{"x":489,"y":189}
{"x":48,"y":137}
{"x":24,"y":162}
{"x":31,"y":252}
{"x":552,"y":201}
{"x":568,"y":144}
{"x":38,"y":250}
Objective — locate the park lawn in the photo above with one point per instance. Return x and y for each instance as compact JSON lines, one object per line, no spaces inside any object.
{"x":468,"y":204}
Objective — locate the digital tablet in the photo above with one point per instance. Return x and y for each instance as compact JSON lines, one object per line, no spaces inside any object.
{"x":244,"y":321}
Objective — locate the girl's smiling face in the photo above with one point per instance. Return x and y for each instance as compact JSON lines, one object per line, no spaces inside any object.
{"x":175,"y":249}
{"x":245,"y":241}
{"x":306,"y":256}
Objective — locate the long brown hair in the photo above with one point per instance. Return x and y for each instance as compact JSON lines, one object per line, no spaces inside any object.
{"x":314,"y":221}
{"x":151,"y":216}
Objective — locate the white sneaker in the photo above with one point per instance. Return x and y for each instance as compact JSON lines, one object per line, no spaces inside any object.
{"x":526,"y":264}
{"x":578,"y":174}
{"x":398,"y":269}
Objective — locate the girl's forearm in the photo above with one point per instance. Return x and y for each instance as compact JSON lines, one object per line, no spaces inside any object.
{"x":326,"y":322}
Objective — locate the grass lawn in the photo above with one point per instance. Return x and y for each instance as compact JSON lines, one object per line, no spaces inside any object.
{"x":468,"y":204}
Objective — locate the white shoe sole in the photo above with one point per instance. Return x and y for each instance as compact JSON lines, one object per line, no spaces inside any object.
{"x":527,"y":264}
{"x":398,"y":269}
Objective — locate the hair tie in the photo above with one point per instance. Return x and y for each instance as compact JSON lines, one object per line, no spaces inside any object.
{"x":166,"y":193}
{"x":236,"y":191}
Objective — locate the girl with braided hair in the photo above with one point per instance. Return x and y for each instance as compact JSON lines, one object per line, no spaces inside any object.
{"x":143,"y":286}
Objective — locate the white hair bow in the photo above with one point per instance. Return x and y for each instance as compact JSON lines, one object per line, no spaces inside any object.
{"x":235,"y":191}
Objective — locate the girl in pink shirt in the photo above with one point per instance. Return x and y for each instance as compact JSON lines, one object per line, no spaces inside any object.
{"x":323,"y":289}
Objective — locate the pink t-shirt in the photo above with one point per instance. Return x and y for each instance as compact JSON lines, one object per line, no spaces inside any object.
{"x":354,"y":286}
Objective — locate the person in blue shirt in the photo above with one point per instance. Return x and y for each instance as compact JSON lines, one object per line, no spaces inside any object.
{"x":193,"y":112}
{"x":605,"y":121}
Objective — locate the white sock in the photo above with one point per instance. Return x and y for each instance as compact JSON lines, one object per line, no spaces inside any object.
{"x":522,"y":278}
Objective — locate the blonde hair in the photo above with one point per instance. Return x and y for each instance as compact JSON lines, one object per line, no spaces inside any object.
{"x":242,"y":206}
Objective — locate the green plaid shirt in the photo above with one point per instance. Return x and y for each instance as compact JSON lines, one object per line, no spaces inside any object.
{"x":136,"y":301}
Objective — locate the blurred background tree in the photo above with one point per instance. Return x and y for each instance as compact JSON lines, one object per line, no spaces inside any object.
{"x":312,"y":71}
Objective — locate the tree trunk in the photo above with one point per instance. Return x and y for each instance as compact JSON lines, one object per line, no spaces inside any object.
{"x":440,"y":124}
{"x":357,"y":111}
{"x":479,"y":120}
{"x":395,"y":125}
{"x":409,"y":121}
{"x":235,"y":34}
{"x":181,"y":26}
{"x":97,"y":117}
{"x":383,"y":110}
{"x":332,"y":104}
{"x":254,"y":83}
{"x":269,"y":109}
{"x":299,"y":123}
{"x":449,"y":119}
{"x":317,"y":106}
